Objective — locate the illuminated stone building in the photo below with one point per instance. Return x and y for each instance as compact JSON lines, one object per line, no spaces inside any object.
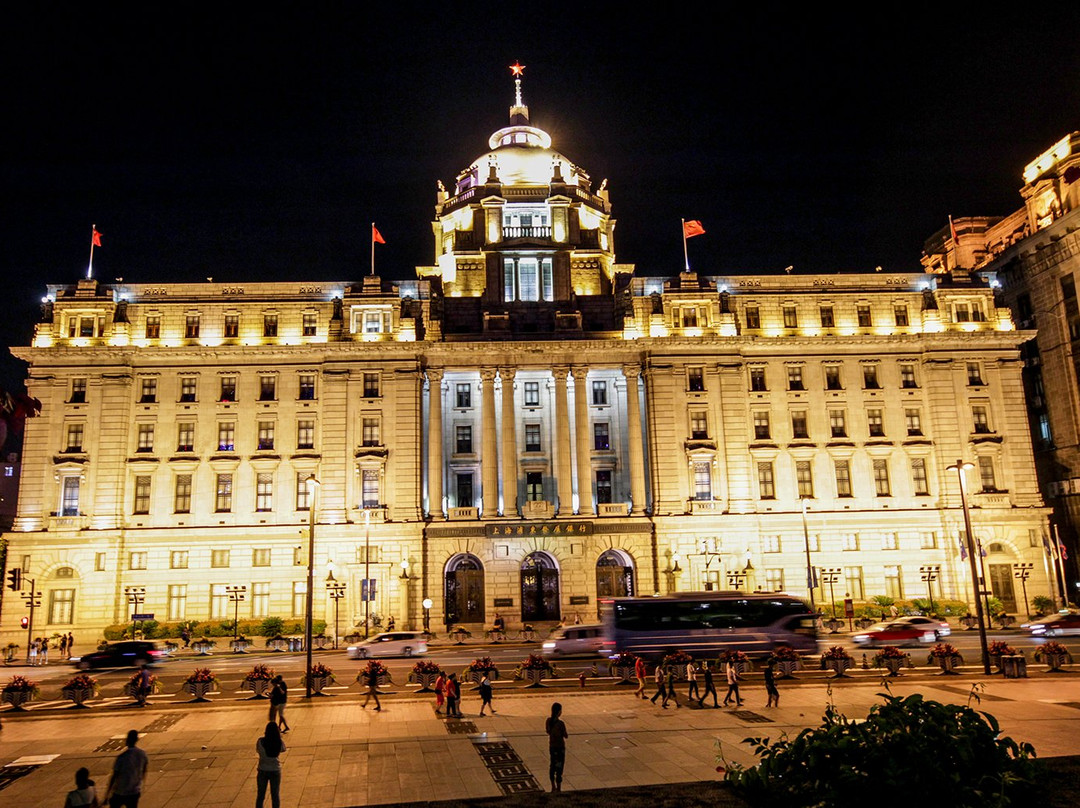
{"x":526,"y":427}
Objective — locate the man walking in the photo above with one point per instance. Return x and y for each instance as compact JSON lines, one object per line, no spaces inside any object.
{"x":707,"y":674}
{"x":279,"y":695}
{"x":129,"y":771}
{"x":691,"y":679}
{"x":661,"y":687}
{"x":732,"y":686}
{"x":640,"y":673}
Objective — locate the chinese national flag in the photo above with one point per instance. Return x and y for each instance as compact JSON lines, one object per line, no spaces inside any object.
{"x":376,"y":236}
{"x":692,"y":228}
{"x":97,"y":238}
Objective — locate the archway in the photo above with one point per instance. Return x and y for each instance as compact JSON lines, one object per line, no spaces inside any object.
{"x":614,"y":575}
{"x":539,"y":588}
{"x":463,"y":589}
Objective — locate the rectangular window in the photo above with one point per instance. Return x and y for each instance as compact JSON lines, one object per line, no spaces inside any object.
{"x":843,"y":478}
{"x":182,"y":494}
{"x":266,"y":436}
{"x":99,"y":562}
{"x":894,"y":584}
{"x":145,"y":439}
{"x":305,"y":434}
{"x":61,"y":607}
{"x":770,"y":544}
{"x":791,"y":317}
{"x":827,"y":319}
{"x":986,"y":473}
{"x":185,"y":436}
{"x":919,"y":483}
{"x":699,"y":424}
{"x":774,"y":580}
{"x":599,"y":393}
{"x":464,"y":490}
{"x":534,"y":486}
{"x":226,"y":431}
{"x":907,"y":376}
{"x":142,"y":495}
{"x":900,"y":316}
{"x":303,"y":493}
{"x":148,"y":391}
{"x":832,"y":378}
{"x":849,"y":542}
{"x":188,"y":388}
{"x":269,"y":325}
{"x":853,"y":583}
{"x":794,"y":378}
{"x":178,"y":560}
{"x":601,"y":436}
{"x":753,"y":317}
{"x":838,"y":423}
{"x":913,"y":421}
{"x":928,"y":540}
{"x":311,"y":324}
{"x":137,"y":560}
{"x":260,"y":600}
{"x":532,"y":437}
{"x":463,"y":396}
{"x":974,"y":374}
{"x":299,"y":598}
{"x":232,"y":326}
{"x":376,"y":322}
{"x":881,"y":478}
{"x":370,"y":492}
{"x":370,"y":432}
{"x":267,"y":388}
{"x":219,"y":602}
{"x":603,"y":486}
{"x":228,"y":388}
{"x":191,"y":326}
{"x":74,"y":439}
{"x":260,"y":557}
{"x":78,"y":391}
{"x":264,"y":492}
{"x":870,"y":377}
{"x":766,"y":484}
{"x":307,"y":386}
{"x":689,"y":317}
{"x":463,"y":439}
{"x":890,"y":541}
{"x":695,"y":380}
{"x":223,"y":495}
{"x":863,"y":313}
{"x":702,"y":481}
{"x":69,"y":497}
{"x":757,"y":380}
{"x":804,"y":476}
{"x":979,"y":419}
{"x":532,"y":394}
{"x":960,"y":313}
{"x":153,"y":327}
{"x":799,"y":429}
{"x":761,"y":425}
{"x":219,"y":559}
{"x":875,"y":423}
{"x":371,"y":385}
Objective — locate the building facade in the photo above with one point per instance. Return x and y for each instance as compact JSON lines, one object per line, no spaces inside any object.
{"x":525,"y":428}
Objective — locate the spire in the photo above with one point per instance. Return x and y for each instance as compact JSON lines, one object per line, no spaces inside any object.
{"x":519,"y":113}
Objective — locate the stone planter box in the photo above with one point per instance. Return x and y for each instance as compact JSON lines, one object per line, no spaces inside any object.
{"x":78,"y":696}
{"x":497,"y":636}
{"x":198,"y":689}
{"x":258,"y":687}
{"x":459,"y":637}
{"x":834,"y":625}
{"x":838,"y":666}
{"x":277,"y":644}
{"x":1055,"y":662}
{"x":527,"y":635}
{"x":742,"y":667}
{"x":678,"y":670}
{"x":17,"y":698}
{"x":202,"y":648}
{"x":1014,"y":666}
{"x":969,"y":622}
{"x":534,"y":677}
{"x":240,"y":646}
{"x":948,"y":665}
{"x":787,"y":667}
{"x":318,"y":683}
{"x":625,"y":675}
{"x":425,"y":680}
{"x":893,"y":664}
{"x":476,"y":676}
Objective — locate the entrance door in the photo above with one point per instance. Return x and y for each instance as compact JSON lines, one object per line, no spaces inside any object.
{"x":464,"y":590}
{"x":539,"y":588}
{"x":1001,"y":584}
{"x":614,"y":576}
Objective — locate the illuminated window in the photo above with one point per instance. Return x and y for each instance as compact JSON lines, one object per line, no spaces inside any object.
{"x":226,"y":436}
{"x":827,"y":319}
{"x":463,"y":439}
{"x":188,"y":388}
{"x":913,"y":421}
{"x":228,"y":388}
{"x":464,"y":490}
{"x":599,"y":393}
{"x":305,"y":434}
{"x":761,"y":425}
{"x":695,"y":380}
{"x":266,"y":435}
{"x":260,"y":557}
{"x":307,"y":387}
{"x":86,"y":326}
{"x":753,"y":317}
{"x":532,"y":438}
{"x":900,"y":316}
{"x":370,"y":485}
{"x":141,"y":504}
{"x":264,"y":492}
{"x":220,"y":608}
{"x":766,"y":483}
{"x":832,"y":378}
{"x":757,"y":380}
{"x":219,"y":559}
{"x":774,"y":580}
{"x":223,"y":497}
{"x":791,"y":317}
{"x":699,"y":424}
{"x":232,"y":326}
{"x":463,"y":396}
{"x":376,"y":322}
{"x":303,"y":495}
{"x":532,"y":394}
{"x":148,"y":391}
{"x":794,"y":378}
{"x":61,"y":607}
{"x":979,"y":419}
{"x":78,"y":391}
{"x":799,"y":429}
{"x":603,"y":486}
{"x":260,"y":599}
{"x":310,"y":324}
{"x":191,"y":326}
{"x":702,"y":481}
{"x":894,"y":584}
{"x":370,"y":432}
{"x":875,"y":423}
{"x":527,"y":278}
{"x":371,"y":385}
{"x":267,"y":388}
{"x":987,"y":476}
{"x":153,"y":327}
{"x":974,"y":374}
{"x":99,"y":562}
{"x":69,"y":497}
{"x":177,"y":601}
{"x":74,"y":438}
{"x":770,"y":544}
{"x":601,"y":436}
{"x":881,"y":479}
{"x":534,"y":486}
{"x":137,"y":560}
{"x":804,"y":477}
{"x":178,"y":559}
{"x":269,"y":325}
{"x":843,"y":478}
{"x":182,"y":495}
{"x":928,"y":540}
{"x":838,"y":423}
{"x":853,"y":582}
{"x":870,"y":377}
{"x":145,"y":440}
{"x":890,"y":541}
{"x":919,"y":482}
{"x":863,"y":313}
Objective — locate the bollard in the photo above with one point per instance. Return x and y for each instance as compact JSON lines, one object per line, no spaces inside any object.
{"x":581,"y":678}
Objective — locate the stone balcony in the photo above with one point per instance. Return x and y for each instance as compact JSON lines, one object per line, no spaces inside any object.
{"x":537,"y":509}
{"x":463,"y":514}
{"x":612,"y":509}
{"x":706,"y":506}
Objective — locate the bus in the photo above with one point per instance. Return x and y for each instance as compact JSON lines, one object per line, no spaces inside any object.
{"x":706,"y":623}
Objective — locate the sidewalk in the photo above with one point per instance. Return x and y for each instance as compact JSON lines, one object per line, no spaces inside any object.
{"x":341,"y":755}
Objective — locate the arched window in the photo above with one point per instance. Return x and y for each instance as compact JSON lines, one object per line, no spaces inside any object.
{"x":614,"y":575}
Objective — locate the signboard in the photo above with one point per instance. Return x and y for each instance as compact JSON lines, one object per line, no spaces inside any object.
{"x":367,"y":589}
{"x":544,"y":528}
{"x":849,"y":608}
{"x":579,"y":600}
{"x":503,"y":603}
{"x":149,"y":616}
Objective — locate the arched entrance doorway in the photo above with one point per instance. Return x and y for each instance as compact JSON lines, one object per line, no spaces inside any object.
{"x":614,"y":575}
{"x":463,"y":589}
{"x":539,"y":588}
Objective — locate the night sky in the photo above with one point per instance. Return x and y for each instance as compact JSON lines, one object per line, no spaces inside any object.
{"x":259,"y":141}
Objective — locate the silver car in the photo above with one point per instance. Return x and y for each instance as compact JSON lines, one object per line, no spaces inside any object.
{"x":390,"y":643}
{"x":583,"y":640}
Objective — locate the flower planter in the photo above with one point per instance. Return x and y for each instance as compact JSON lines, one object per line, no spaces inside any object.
{"x":202,"y":648}
{"x":425,"y":680}
{"x":969,"y":622}
{"x":497,"y":635}
{"x":171,"y":647}
{"x":17,"y":698}
{"x":198,"y":689}
{"x":834,"y":625}
{"x":240,"y":646}
{"x":527,"y":635}
{"x":459,"y":637}
{"x":1055,"y":662}
{"x":134,"y":692}
{"x":624,"y":673}
{"x":838,"y":666}
{"x":948,"y":665}
{"x":533,"y":676}
{"x":318,"y":683}
{"x":258,"y":687}
{"x":78,"y":695}
{"x":277,"y":644}
{"x":679,"y":672}
{"x":893,"y":665}
{"x":1014,"y":666}
{"x":787,"y":668}
{"x":476,"y":676}
{"x":995,"y":662}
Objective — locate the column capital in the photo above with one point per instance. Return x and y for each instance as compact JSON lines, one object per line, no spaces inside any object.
{"x":435,"y":375}
{"x":579,"y":372}
{"x":487,"y":374}
{"x":507,"y":374}
{"x":631,"y":370}
{"x":559,"y":373}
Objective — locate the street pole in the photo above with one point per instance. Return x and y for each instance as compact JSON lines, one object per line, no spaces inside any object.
{"x":1022,"y":570}
{"x":313,"y":487}
{"x":929,"y":574}
{"x":236,"y":595}
{"x":365,"y":590}
{"x":336,"y":590}
{"x":32,"y":601}
{"x":976,"y":582}
{"x":830,"y":576}
{"x":136,"y":595}
{"x":809,"y":566}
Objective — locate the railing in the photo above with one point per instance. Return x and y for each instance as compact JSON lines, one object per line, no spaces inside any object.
{"x":612,"y":509}
{"x":67,"y":522}
{"x":527,"y":232}
{"x":537,"y":509}
{"x":706,"y":506}
{"x":460,"y":514}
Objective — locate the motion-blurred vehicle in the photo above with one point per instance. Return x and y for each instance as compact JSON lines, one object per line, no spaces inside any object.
{"x":126,"y":654}
{"x":903,"y":631}
{"x":390,"y":643}
{"x":1054,"y":625}
{"x":581,"y":640}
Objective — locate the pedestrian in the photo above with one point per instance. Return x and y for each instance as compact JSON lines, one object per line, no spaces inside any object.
{"x":269,"y":747}
{"x":129,"y":771}
{"x":707,"y":676}
{"x":671,"y":694}
{"x":732,"y":686}
{"x":63,"y":646}
{"x":770,"y":686}
{"x":372,"y":677}
{"x":145,"y":684}
{"x":32,"y":651}
{"x":390,"y":623}
{"x":486,"y":691}
{"x":661,"y":687}
{"x":84,"y":793}
{"x":453,"y":696}
{"x":185,"y":635}
{"x":71,"y":644}
{"x":279,"y":695}
{"x":640,"y":673}
{"x":43,"y":652}
{"x":440,"y":692}
{"x":556,"y":731}
{"x":691,"y":681}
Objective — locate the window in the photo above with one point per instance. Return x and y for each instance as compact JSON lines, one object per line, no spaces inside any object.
{"x":832,"y":378}
{"x":870,"y":377}
{"x":774,"y":580}
{"x":827,"y":319}
{"x":532,"y":394}
{"x":226,"y":431}
{"x":753,"y":317}
{"x":766,"y":484}
{"x":219,"y":559}
{"x":603,"y":486}
{"x":266,"y":436}
{"x":178,"y":560}
{"x":177,"y":601}
{"x":843,"y":478}
{"x":69,"y":497}
{"x":228,"y":388}
{"x":142,"y":495}
{"x":799,"y":430}
{"x":919,"y":483}
{"x":695,"y":379}
{"x":794,"y":378}
{"x":303,"y":493}
{"x":74,"y":439}
{"x":757,"y":380}
{"x":689,"y":317}
{"x":986,"y":473}
{"x":185,"y":436}
{"x":305,"y":434}
{"x":188,"y":388}
{"x":61,"y":606}
{"x":219,"y":602}
{"x":99,"y":562}
{"x":464,"y":490}
{"x":894,"y":585}
{"x":86,"y":326}
{"x":260,"y":557}
{"x":913,"y":421}
{"x":699,"y":424}
{"x":804,"y":476}
{"x":761,"y":425}
{"x":269,"y":325}
{"x":853,"y":583}
{"x":974,"y":374}
{"x":148,"y":391}
{"x":960,"y":313}
{"x":137,"y":560}
{"x":534,"y":486}
{"x":928,"y":540}
{"x":307,"y":387}
{"x":182,"y":494}
{"x":837,"y":423}
{"x":78,"y":391}
{"x":791,"y":317}
{"x":370,"y":432}
{"x":978,"y":417}
{"x":370,"y":489}
{"x":702,"y":481}
{"x":907,"y":376}
{"x":463,"y":397}
{"x":890,"y":541}
{"x":260,"y":600}
{"x":299,"y":598}
{"x":863,"y":313}
{"x":770,"y":544}
{"x":881,"y":478}
{"x":145,"y":439}
{"x":191,"y":326}
{"x":310,"y":324}
{"x":900,"y":316}
{"x":463,"y":439}
{"x":223,"y":495}
{"x":875,"y":423}
{"x":153,"y":327}
{"x":849,"y":542}
{"x":376,"y":322}
{"x":532,"y":437}
{"x":371,"y":385}
{"x":267,"y":388}
{"x":601,"y":436}
{"x":599,"y":393}
{"x":232,"y":326}
{"x":264,"y":492}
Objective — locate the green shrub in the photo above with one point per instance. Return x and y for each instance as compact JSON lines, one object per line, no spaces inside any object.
{"x":1042,"y":604}
{"x":271,"y":626}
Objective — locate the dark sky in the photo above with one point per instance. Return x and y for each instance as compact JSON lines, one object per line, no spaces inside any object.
{"x":258,"y":141}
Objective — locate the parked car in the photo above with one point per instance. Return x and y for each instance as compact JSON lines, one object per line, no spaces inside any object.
{"x":126,"y":654}
{"x":1055,"y":625}
{"x":582,"y":640}
{"x":390,"y":643}
{"x":903,"y":631}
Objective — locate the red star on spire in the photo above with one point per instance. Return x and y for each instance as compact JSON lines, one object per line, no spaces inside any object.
{"x":517,"y":69}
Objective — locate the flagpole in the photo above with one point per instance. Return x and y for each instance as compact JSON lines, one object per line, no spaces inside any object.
{"x":686,"y":255}
{"x":373,"y":248}
{"x":90,"y":266}
{"x":1059,"y":566}
{"x":1046,"y":569}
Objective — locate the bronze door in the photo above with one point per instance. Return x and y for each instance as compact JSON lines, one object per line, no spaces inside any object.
{"x":464,"y":596}
{"x":1001,"y":585}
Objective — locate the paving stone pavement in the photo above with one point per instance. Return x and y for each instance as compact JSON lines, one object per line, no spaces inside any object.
{"x":341,"y":755}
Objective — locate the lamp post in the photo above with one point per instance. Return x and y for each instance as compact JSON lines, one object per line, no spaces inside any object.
{"x":976,"y":582}
{"x":709,"y":556}
{"x":336,"y":590}
{"x":1022,"y":571}
{"x":136,"y":596}
{"x":313,"y":488}
{"x":365,"y":590}
{"x":427,"y":604}
{"x":236,"y":595}
{"x":830,"y":576}
{"x":810,"y":582}
{"x":929,"y":573}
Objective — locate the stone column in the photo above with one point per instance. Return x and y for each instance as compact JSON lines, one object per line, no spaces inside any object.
{"x":637,"y":455}
{"x":509,"y":443}
{"x":562,"y":443}
{"x":435,"y":443}
{"x":584,"y":446}
{"x":489,"y":458}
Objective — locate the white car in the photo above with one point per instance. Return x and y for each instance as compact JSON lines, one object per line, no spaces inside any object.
{"x":583,"y":640}
{"x":390,"y":643}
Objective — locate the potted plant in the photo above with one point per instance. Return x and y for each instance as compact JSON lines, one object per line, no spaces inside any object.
{"x":424,"y":673}
{"x":837,"y":659}
{"x":1055,"y":655}
{"x":199,"y":682}
{"x":459,"y":634}
{"x":320,"y":675}
{"x":890,"y":657}
{"x":946,"y":657}
{"x":1042,"y":605}
{"x":533,"y":669}
{"x":277,"y":643}
{"x":80,"y":689}
{"x":136,"y":689}
{"x":528,"y":633}
{"x":240,"y":645}
{"x":478,"y":667}
{"x":969,"y":621}
{"x":258,"y":680}
{"x":737,"y":658}
{"x":676,"y":663}
{"x":19,"y":691}
{"x":996,"y":650}
{"x":622,"y":666}
{"x":381,"y":673}
{"x":203,"y":646}
{"x":786,"y":659}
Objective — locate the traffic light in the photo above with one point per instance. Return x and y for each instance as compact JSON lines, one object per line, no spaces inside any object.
{"x":24,"y":622}
{"x":15,"y":579}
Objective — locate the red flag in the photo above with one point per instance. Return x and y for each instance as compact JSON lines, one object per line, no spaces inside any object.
{"x":1062,"y":551}
{"x":692,"y":228}
{"x":96,"y":237}
{"x":952,"y":231}
{"x":376,"y":236}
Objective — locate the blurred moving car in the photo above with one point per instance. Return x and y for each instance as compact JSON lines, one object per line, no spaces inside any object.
{"x":903,"y":631}
{"x":581,"y":640}
{"x":1054,"y":625}
{"x":126,"y":654}
{"x":390,"y":643}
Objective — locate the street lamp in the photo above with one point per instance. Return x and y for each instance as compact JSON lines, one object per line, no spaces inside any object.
{"x":427,"y":604}
{"x":136,"y":596}
{"x":312,"y":488}
{"x":1022,"y":571}
{"x":365,"y":590}
{"x":709,"y":556}
{"x":810,"y":582}
{"x":929,"y":573}
{"x":976,"y":581}
{"x":236,"y":595}
{"x":830,"y":576}
{"x":336,"y":590}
